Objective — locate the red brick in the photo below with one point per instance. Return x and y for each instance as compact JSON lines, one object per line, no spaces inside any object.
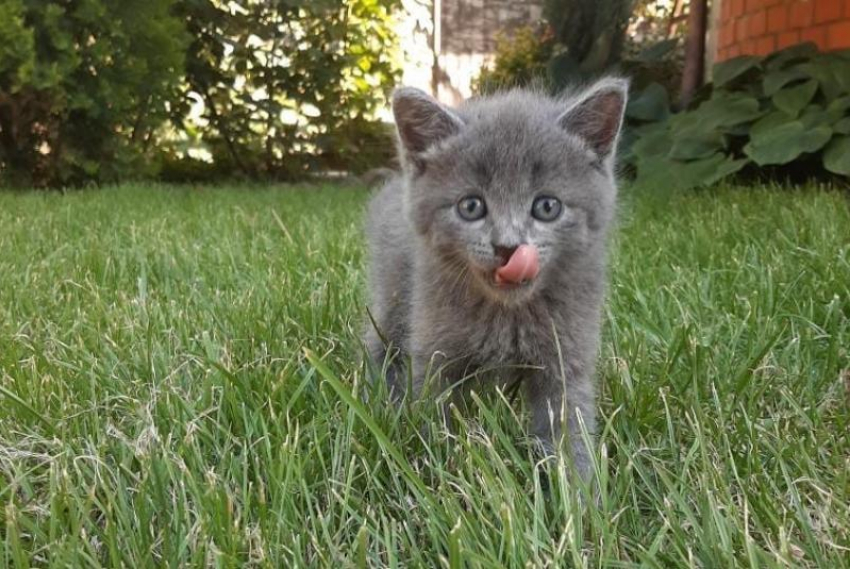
{"x":737,"y":8}
{"x":777,"y":18}
{"x":733,"y":51}
{"x":726,"y":36}
{"x":787,"y":39}
{"x":765,"y":45}
{"x":802,"y":14}
{"x":757,"y":23}
{"x":730,"y":35}
{"x":753,"y":5}
{"x":827,"y":10}
{"x":733,"y":35}
{"x":847,"y":8}
{"x":748,"y":47}
{"x":740,"y":29}
{"x":725,"y":11}
{"x":838,"y":35}
{"x":815,"y":34}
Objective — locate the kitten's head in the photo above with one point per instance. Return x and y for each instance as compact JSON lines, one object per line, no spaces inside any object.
{"x":511,"y":188}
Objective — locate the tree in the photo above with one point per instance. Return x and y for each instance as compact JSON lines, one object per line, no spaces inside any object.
{"x":591,"y":34}
{"x":289,"y":85}
{"x":84,"y":84}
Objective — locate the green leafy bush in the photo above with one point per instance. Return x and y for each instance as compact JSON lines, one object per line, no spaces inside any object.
{"x":101,"y":90}
{"x":521,"y":59}
{"x":291,"y":87}
{"x":590,"y":36}
{"x":84,"y":86}
{"x":580,"y":39}
{"x":783,"y":115}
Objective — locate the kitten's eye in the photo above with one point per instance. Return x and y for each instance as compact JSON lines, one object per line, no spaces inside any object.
{"x":546,"y":208}
{"x":471,"y":208}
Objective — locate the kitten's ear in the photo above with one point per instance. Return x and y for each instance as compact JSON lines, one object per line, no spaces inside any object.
{"x":597,"y":114}
{"x":422,"y":122}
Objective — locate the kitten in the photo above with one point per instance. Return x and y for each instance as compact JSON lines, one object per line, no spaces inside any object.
{"x":487,"y":254}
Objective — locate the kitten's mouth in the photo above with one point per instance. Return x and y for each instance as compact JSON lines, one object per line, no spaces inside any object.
{"x":520,"y":269}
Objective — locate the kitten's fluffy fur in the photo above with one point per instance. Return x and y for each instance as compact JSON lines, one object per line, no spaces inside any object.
{"x":432,"y":292}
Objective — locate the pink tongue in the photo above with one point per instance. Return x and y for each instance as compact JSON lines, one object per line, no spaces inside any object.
{"x":522,"y":266}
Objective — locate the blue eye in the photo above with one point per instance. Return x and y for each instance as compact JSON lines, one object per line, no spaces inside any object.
{"x":546,"y":208}
{"x":471,"y":208}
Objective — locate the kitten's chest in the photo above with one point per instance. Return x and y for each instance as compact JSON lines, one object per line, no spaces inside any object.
{"x":513,"y":338}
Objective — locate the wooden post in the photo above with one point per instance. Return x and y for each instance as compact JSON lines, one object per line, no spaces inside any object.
{"x":692,"y":74}
{"x":437,"y":47}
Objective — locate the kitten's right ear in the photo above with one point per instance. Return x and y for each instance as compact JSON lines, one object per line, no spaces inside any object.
{"x":422,"y":122}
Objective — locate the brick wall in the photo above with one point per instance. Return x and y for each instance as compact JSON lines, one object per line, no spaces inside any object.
{"x":758,"y":27}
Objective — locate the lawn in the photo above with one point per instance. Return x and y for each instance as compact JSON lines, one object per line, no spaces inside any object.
{"x":180,"y":385}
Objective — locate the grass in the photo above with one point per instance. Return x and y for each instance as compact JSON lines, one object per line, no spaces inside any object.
{"x":179,"y":385}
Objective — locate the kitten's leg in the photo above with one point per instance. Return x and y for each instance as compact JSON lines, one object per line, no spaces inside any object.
{"x":432,"y":376}
{"x":547,"y":396}
{"x":380,"y":355}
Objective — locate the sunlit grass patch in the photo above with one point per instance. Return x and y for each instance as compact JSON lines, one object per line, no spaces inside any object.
{"x":157,"y":406}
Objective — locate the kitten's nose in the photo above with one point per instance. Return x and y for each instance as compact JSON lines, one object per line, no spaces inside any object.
{"x":504,"y":253}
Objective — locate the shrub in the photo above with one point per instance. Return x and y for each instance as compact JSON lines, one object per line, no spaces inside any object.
{"x":83,"y":87}
{"x":784,"y":115}
{"x":590,"y":36}
{"x":299,"y":90}
{"x":521,"y":59}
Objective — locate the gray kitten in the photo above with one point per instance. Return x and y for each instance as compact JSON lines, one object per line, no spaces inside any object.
{"x":488,"y":252}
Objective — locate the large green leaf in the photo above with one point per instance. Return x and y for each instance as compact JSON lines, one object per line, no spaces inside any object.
{"x":733,"y":68}
{"x":793,"y":54}
{"x":768,"y":123}
{"x":836,"y":157}
{"x":652,"y":142}
{"x":815,"y":115}
{"x":832,"y":73}
{"x":721,"y":111}
{"x":652,"y":104}
{"x":671,"y":173}
{"x":695,"y":144}
{"x":839,"y":105}
{"x":792,"y":100}
{"x":842,"y":126}
{"x":775,"y":80}
{"x":785,"y":143}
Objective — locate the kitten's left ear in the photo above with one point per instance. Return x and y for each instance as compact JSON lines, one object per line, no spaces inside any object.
{"x":597,"y":114}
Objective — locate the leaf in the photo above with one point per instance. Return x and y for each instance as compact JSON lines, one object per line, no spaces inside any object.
{"x":842,"y":126}
{"x":657,"y":51}
{"x":801,"y":51}
{"x":785,"y":143}
{"x":684,"y":175}
{"x":839,"y":105}
{"x":731,"y":69}
{"x":692,"y":145}
{"x":836,"y":157}
{"x":815,"y":115}
{"x":768,"y":123}
{"x":775,"y":80}
{"x":792,"y":100}
{"x":829,"y":72}
{"x":721,"y":111}
{"x":652,"y":104}
{"x":655,"y":142}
